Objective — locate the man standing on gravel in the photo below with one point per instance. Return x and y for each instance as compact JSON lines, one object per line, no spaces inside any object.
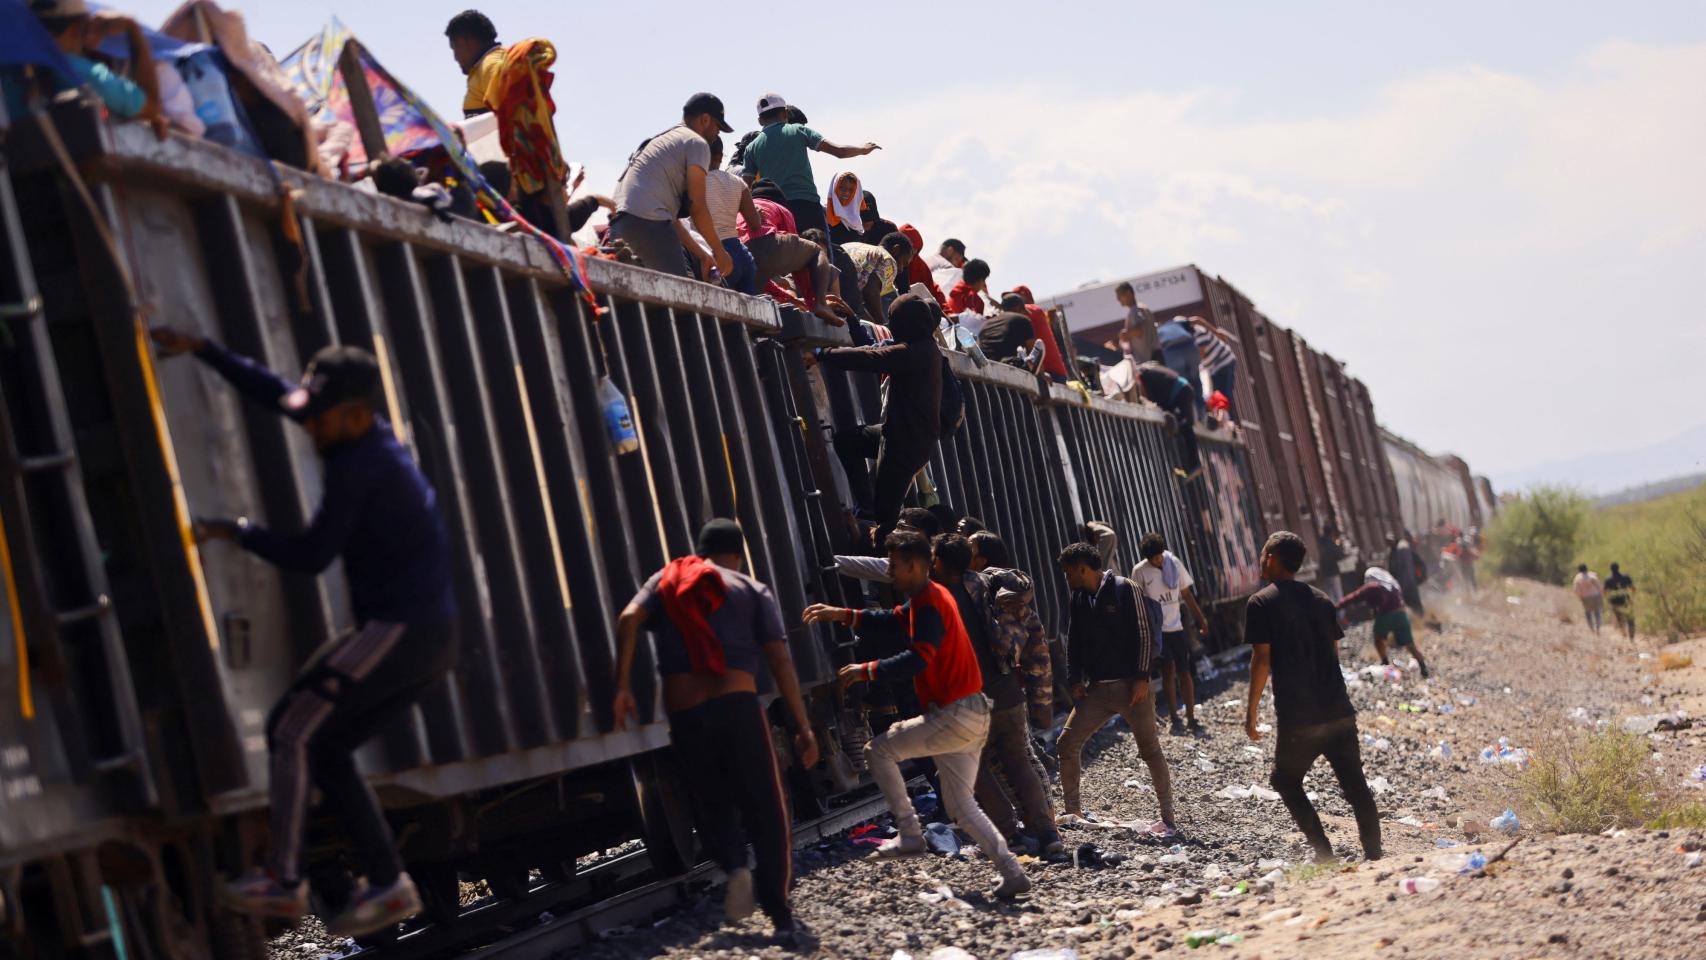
{"x":1294,"y":632}
{"x":1110,"y":651}
{"x":715,"y":626}
{"x":1592,"y":596}
{"x":1165,"y":580}
{"x":1620,"y":593}
{"x":937,"y":654}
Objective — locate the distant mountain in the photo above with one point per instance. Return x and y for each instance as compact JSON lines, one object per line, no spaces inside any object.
{"x":1651,"y":491}
{"x":1602,"y":473}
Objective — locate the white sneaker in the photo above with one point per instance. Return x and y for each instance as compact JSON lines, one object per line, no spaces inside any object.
{"x":373,"y":909}
{"x":738,"y":902}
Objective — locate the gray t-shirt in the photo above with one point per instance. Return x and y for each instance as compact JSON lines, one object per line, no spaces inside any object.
{"x":654,"y":186}
{"x":748,"y":619}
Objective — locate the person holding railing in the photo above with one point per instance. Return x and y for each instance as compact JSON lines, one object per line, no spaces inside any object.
{"x":1164,"y":387}
{"x":664,"y":182}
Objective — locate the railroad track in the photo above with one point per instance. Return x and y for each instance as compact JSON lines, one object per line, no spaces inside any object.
{"x":614,"y":894}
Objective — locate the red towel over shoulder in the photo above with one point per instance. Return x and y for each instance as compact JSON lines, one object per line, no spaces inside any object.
{"x":691,"y":590}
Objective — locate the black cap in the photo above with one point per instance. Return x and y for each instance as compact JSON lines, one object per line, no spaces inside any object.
{"x":721,"y":535}
{"x":336,"y":374}
{"x":706,"y":103}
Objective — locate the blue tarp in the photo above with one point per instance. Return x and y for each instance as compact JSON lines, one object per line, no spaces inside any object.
{"x":25,"y":42}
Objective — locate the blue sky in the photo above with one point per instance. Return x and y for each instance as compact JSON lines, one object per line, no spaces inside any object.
{"x":1466,"y":202}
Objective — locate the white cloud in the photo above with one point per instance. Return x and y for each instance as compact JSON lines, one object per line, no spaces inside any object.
{"x":1467,"y":239}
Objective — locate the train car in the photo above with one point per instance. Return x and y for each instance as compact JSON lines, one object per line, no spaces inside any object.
{"x":1429,"y":490}
{"x":138,"y":667}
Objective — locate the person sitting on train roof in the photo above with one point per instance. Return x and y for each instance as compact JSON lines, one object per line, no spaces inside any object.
{"x":1009,"y":334}
{"x":380,"y":515}
{"x":779,"y":251}
{"x":713,"y":623}
{"x":936,"y":653}
{"x":1179,"y":352}
{"x":1053,"y":363}
{"x":474,"y":44}
{"x":665,"y":179}
{"x":947,"y":265}
{"x":912,"y":411}
{"x":918,"y":268}
{"x":967,"y":295}
{"x":781,"y":152}
{"x":1164,"y":387}
{"x":78,"y":33}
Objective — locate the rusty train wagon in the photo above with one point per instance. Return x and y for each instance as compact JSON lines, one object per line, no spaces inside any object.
{"x":1429,"y":488}
{"x":136,"y":668}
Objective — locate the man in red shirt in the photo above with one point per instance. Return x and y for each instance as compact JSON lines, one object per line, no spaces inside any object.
{"x":1053,"y":364}
{"x":939,"y":658}
{"x":968,"y":293}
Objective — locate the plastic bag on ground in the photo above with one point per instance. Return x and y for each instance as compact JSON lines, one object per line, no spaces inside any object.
{"x":1506,"y":822}
{"x":1052,"y":953}
{"x":940,"y":838}
{"x":950,"y":953}
{"x":1379,"y":785}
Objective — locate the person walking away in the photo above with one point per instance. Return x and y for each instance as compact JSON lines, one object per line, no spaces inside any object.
{"x":903,"y":441}
{"x":1592,"y":595}
{"x":1329,"y":553}
{"x":781,"y":152}
{"x":714,"y":627}
{"x":1179,"y":353}
{"x":1214,"y":347}
{"x":1380,"y":591}
{"x":665,"y":181}
{"x":1164,"y":387}
{"x":474,"y":44}
{"x":937,"y":654}
{"x":1016,"y":615}
{"x":1110,"y":651}
{"x":1007,"y":752}
{"x":1401,"y":563}
{"x":1139,"y":331}
{"x":1620,"y":594}
{"x":380,"y":515}
{"x":1166,"y":580}
{"x":1293,"y":635}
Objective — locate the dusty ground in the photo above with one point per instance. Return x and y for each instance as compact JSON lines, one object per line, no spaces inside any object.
{"x":1508,"y":665}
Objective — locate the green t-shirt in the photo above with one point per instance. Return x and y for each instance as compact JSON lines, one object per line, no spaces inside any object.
{"x":782,"y":153}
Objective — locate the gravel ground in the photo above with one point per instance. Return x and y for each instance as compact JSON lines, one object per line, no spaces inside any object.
{"x":1514,"y":662}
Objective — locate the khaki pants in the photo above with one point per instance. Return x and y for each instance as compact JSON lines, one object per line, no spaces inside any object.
{"x":953,"y":736}
{"x":1106,"y":699}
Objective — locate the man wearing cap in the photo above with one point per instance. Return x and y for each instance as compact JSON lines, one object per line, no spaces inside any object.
{"x":713,"y":624}
{"x":663,"y":183}
{"x":380,"y":515}
{"x":780,"y":153}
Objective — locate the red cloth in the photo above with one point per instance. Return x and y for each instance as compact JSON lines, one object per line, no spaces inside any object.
{"x":1053,"y":362}
{"x":918,"y":271}
{"x":963,"y":298}
{"x":1218,"y":401}
{"x":691,"y":590}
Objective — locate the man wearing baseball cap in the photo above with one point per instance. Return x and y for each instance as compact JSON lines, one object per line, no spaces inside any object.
{"x":380,"y":515}
{"x":780,"y":153}
{"x":664,"y":183}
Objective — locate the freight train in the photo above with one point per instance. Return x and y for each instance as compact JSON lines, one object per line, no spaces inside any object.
{"x":137,"y":668}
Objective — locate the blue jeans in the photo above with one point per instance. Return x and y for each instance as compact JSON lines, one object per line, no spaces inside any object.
{"x":744,"y":276}
{"x":1184,"y":360}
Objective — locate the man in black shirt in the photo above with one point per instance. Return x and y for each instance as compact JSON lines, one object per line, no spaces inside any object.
{"x":1620,"y":593}
{"x":1110,"y":651}
{"x":1293,"y":631}
{"x":1010,"y":334}
{"x":1178,"y":396}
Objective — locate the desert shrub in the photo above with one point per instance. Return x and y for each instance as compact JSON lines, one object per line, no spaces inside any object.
{"x":1539,"y":534}
{"x":1588,"y":783}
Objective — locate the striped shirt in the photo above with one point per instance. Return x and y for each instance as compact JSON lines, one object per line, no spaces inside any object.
{"x":722,"y":196}
{"x":1216,"y":355}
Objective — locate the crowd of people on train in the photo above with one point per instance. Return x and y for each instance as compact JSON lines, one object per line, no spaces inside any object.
{"x":948,"y":619}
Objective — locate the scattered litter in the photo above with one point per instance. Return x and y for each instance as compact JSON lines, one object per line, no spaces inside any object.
{"x":1264,"y":728}
{"x":950,"y":953}
{"x":1380,"y":786}
{"x":1203,"y":938}
{"x":945,"y":897}
{"x":1126,"y":916}
{"x":1273,"y":878}
{"x":1700,"y":772}
{"x":1693,"y":859}
{"x":1213,"y":872}
{"x":1463,"y":862}
{"x":1418,"y":885}
{"x":1233,"y":792}
{"x":1410,"y":822}
{"x":1052,"y":953}
{"x":1283,"y":913}
{"x":1434,"y":793}
{"x":1252,"y":748}
{"x":1506,"y":822}
{"x":1444,"y":842}
{"x":940,"y":838}
{"x":1503,"y":752}
{"x":1271,"y":864}
{"x":1206,"y":765}
{"x":1441,"y":751}
{"x":1657,"y":721}
{"x":1465,"y":700}
{"x":1173,"y":858}
{"x":1514,"y":601}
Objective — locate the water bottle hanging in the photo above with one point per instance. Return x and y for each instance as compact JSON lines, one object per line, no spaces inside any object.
{"x":618,"y":419}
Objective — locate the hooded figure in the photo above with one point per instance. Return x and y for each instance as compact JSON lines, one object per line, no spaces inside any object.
{"x":846,"y":219}
{"x":903,"y":441}
{"x":918,"y":271}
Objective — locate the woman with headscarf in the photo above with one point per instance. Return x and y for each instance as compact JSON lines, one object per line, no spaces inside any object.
{"x":844,"y":210}
{"x":1380,"y":590}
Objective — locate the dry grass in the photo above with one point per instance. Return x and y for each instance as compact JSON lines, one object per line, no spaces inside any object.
{"x":1675,"y":661}
{"x":1681,"y":816}
{"x":1588,"y":783}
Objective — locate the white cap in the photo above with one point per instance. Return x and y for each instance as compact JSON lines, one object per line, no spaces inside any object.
{"x":769,"y":102}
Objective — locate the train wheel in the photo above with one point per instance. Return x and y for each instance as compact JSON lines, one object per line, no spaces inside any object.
{"x":666,"y":813}
{"x":441,"y":891}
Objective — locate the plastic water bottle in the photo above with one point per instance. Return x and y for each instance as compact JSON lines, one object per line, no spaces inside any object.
{"x":1506,"y":822}
{"x":1418,"y":885}
{"x":617,"y":418}
{"x":968,"y":343}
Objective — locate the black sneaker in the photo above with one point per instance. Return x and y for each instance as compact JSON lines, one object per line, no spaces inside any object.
{"x":1176,"y":728}
{"x":1196,"y":726}
{"x":794,"y":936}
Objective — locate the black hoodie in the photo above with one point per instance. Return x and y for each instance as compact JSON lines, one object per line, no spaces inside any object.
{"x":912,"y":412}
